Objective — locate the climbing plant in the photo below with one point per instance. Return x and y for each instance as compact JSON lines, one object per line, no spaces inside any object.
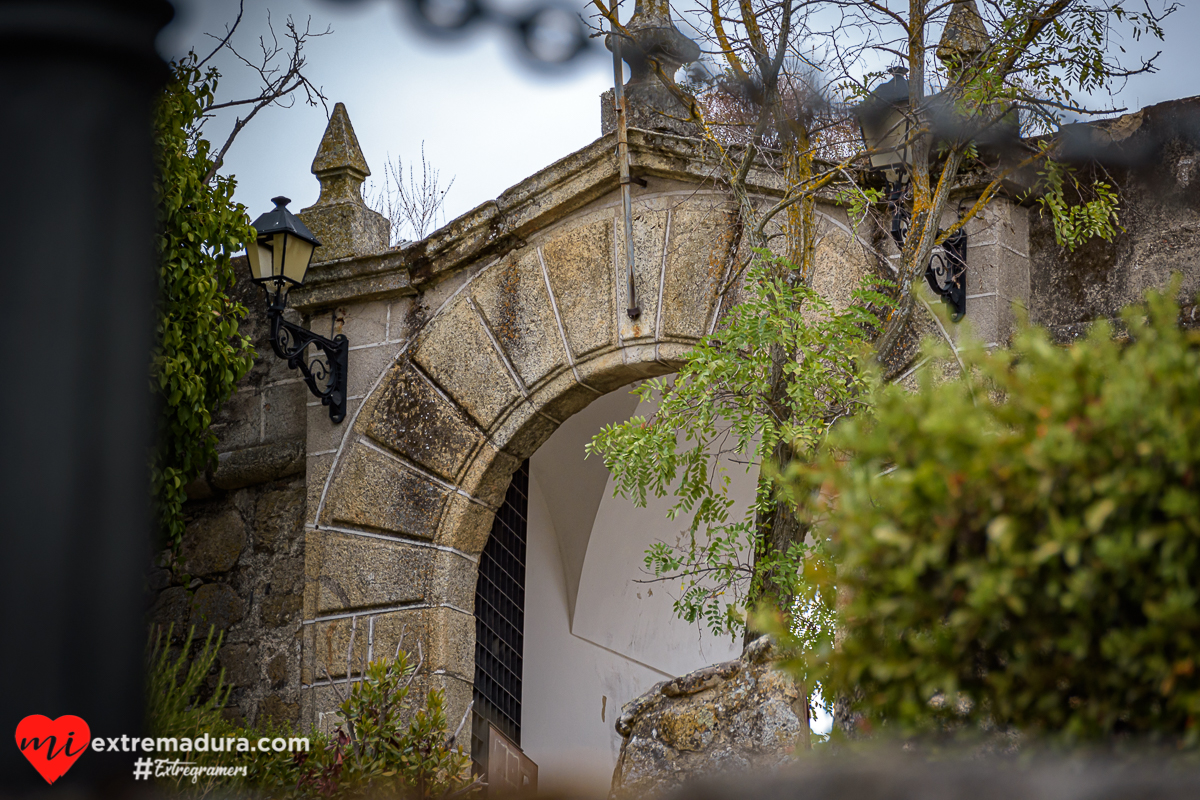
{"x":199,"y":354}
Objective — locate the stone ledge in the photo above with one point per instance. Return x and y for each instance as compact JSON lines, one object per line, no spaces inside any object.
{"x":356,"y":278}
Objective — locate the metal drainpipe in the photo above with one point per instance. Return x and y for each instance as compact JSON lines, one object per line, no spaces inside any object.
{"x":634,"y":310}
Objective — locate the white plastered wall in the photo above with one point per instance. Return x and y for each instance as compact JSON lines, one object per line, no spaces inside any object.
{"x":595,"y":638}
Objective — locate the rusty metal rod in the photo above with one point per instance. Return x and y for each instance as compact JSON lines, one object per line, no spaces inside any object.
{"x":634,"y":311}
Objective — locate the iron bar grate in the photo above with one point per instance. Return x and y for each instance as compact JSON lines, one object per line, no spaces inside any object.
{"x":500,"y":618}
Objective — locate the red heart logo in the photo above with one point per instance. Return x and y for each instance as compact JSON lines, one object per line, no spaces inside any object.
{"x":53,"y":745}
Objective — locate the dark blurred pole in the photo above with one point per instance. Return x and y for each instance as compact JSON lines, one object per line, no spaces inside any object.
{"x":77,"y":80}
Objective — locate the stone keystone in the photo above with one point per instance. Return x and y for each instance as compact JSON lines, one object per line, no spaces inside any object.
{"x":340,"y":218}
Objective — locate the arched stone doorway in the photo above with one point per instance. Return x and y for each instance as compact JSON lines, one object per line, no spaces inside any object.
{"x":529,"y":341}
{"x":513,"y":319}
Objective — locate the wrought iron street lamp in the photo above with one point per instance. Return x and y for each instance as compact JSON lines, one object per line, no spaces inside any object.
{"x":886,"y":121}
{"x":279,"y":258}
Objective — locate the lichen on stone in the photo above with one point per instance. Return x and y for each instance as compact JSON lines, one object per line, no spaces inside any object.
{"x":738,"y":715}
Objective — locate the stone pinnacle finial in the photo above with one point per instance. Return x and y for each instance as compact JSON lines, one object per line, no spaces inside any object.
{"x":339,"y":165}
{"x":340,"y":218}
{"x":964,"y":37}
{"x":649,"y":104}
{"x":655,"y":39}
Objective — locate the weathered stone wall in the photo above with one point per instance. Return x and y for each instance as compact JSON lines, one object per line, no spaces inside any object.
{"x":242,"y":559}
{"x":1153,"y":156}
{"x":244,"y":555}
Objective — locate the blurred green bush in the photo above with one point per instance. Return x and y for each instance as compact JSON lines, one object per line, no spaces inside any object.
{"x":1020,"y":548}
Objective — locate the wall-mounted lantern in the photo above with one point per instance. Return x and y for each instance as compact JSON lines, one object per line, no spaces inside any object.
{"x":279,"y":259}
{"x":885,"y":123}
{"x":886,"y":120}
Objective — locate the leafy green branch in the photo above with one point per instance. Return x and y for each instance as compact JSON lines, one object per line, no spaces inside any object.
{"x":1077,"y":222}
{"x":737,"y":400}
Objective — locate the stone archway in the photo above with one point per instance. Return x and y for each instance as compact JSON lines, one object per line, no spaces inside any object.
{"x":528,"y":341}
{"x":518,"y":321}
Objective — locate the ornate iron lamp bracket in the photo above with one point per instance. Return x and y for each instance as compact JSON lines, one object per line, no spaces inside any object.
{"x":947,"y":268}
{"x":326,"y":378}
{"x":947,"y":273}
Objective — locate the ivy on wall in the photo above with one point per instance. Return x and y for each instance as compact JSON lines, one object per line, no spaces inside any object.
{"x":199,"y":355}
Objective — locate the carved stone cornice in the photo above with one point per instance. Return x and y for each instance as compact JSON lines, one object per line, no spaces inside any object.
{"x":506,"y":223}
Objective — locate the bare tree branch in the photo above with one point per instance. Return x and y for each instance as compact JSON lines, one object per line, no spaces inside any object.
{"x":280,"y":68}
{"x":228,"y":35}
{"x":411,"y":203}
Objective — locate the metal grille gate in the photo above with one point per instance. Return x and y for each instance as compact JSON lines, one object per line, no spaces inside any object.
{"x":500,"y":620}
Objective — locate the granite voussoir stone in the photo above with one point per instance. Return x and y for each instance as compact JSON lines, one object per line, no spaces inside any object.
{"x":580,"y":265}
{"x":375,"y":491}
{"x":457,"y":353}
{"x":512,"y":297}
{"x":408,"y":416}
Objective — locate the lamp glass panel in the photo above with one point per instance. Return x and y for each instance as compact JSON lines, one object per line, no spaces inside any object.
{"x":279,"y":254}
{"x":259,"y":255}
{"x":889,"y":132}
{"x":299,"y":253}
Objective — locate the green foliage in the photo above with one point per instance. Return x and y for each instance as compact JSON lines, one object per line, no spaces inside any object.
{"x":173,"y":683}
{"x":724,"y":404}
{"x":374,"y":753}
{"x":1041,"y":62}
{"x":1076,"y":223}
{"x":857,"y":200}
{"x":377,"y":752}
{"x":1021,"y":547}
{"x":1076,"y":52}
{"x":199,"y":354}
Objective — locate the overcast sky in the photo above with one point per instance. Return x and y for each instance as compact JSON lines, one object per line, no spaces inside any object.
{"x":486,"y":119}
